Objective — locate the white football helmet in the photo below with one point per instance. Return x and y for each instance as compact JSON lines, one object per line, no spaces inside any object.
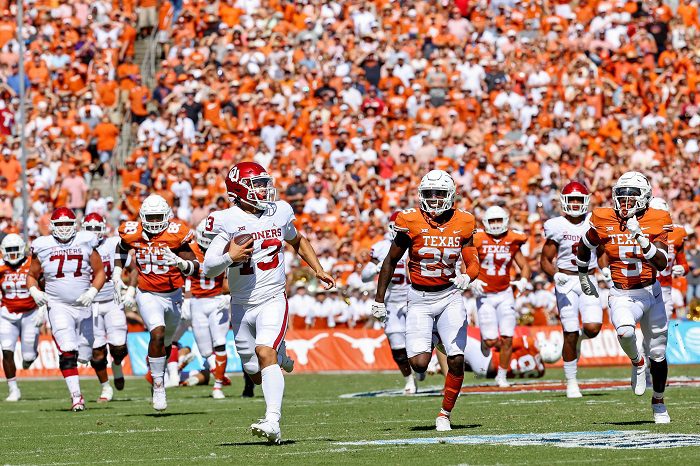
{"x":658,"y":203}
{"x":13,"y":249}
{"x":436,"y":192}
{"x":155,"y":214}
{"x":495,"y":220}
{"x":631,"y":194}
{"x":202,"y":236}
{"x":549,"y":351}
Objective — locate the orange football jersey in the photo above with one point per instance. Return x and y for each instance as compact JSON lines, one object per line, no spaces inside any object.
{"x":434,"y":248}
{"x":203,"y":287}
{"x":627,"y":263}
{"x":13,"y":281}
{"x":496,"y":258}
{"x":676,"y":237}
{"x":525,"y":361}
{"x":154,"y":274}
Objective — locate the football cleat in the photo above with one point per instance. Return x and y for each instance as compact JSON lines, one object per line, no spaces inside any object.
{"x":502,"y":382}
{"x":572,"y":390}
{"x":78,"y":404}
{"x":218,"y":394}
{"x":639,"y":380}
{"x":119,"y":383}
{"x":442,"y":423}
{"x":14,"y":395}
{"x":410,"y":387}
{"x":286,"y":363}
{"x":660,"y":412}
{"x":160,"y":403}
{"x":106,"y":395}
{"x":267,"y":429}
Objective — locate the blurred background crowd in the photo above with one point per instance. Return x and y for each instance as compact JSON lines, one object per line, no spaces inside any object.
{"x":348,"y":103}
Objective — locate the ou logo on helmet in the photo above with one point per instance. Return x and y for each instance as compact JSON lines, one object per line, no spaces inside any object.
{"x":233,"y":175}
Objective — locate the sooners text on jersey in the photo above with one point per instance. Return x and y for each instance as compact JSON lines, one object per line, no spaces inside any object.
{"x":65,"y":266}
{"x":13,"y":281}
{"x":263,"y":276}
{"x":627,"y":264}
{"x":496,"y":258}
{"x":154,"y":274}
{"x":434,"y":248}
{"x":567,"y":235}
{"x":203,"y":287}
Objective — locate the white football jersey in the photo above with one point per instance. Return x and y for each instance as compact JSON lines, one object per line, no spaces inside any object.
{"x":263,"y":276}
{"x":107,"y":249}
{"x":397,"y":292}
{"x":66,"y":266}
{"x":567,"y":236}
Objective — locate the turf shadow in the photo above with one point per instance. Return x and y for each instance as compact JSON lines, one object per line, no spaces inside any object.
{"x":264,"y":443}
{"x":624,"y":423}
{"x":162,"y":414}
{"x":454,"y":427}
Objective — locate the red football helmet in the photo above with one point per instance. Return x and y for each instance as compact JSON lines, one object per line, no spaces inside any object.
{"x":392,"y":225}
{"x":63,"y":224}
{"x":574,"y":190}
{"x":248,"y":182}
{"x":95,"y":223}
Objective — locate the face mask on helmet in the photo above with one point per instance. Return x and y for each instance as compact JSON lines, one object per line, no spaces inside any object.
{"x":203,"y":237}
{"x":495,"y":226}
{"x":261,"y":191}
{"x":155,"y":223}
{"x":628,"y":200}
{"x":575,"y":204}
{"x":13,"y":249}
{"x":435,"y":201}
{"x":63,"y":229}
{"x":95,"y":227}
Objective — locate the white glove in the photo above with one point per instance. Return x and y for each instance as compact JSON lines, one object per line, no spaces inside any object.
{"x":522,"y":284}
{"x":560,"y":279}
{"x":40,"y":316}
{"x":461,"y":281}
{"x":86,"y":298}
{"x":128,"y":299}
{"x":607,"y":275}
{"x":38,"y":296}
{"x":677,"y":270}
{"x":636,"y":231}
{"x":587,"y":285}
{"x":224,"y":302}
{"x":185,"y":310}
{"x":379,"y":311}
{"x":119,"y":285}
{"x":477,"y":287}
{"x":171,"y":259}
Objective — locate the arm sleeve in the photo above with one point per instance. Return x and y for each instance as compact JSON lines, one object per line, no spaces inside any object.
{"x":369,"y":272}
{"x":216,"y":262}
{"x":290,"y":231}
{"x":470,"y":256}
{"x":682,"y":260}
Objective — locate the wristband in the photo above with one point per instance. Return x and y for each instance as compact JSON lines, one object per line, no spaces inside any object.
{"x":588,"y":244}
{"x":651,"y":252}
{"x":582,"y":264}
{"x":643,"y":241}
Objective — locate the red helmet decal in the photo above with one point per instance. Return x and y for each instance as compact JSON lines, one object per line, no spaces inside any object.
{"x":63,"y":213}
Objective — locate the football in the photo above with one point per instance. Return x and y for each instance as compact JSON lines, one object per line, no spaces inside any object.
{"x":242,"y":238}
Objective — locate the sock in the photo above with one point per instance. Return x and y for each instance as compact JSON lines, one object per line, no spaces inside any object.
{"x":408,"y":378}
{"x":502,"y":373}
{"x":12,"y":383}
{"x":73,"y":382}
{"x":657,"y":396}
{"x":157,"y":366}
{"x":220,"y":366}
{"x":273,"y":390}
{"x":105,"y":384}
{"x":453,"y":385}
{"x":629,"y":346}
{"x":570,"y":368}
{"x":659,"y":374}
{"x":117,"y":371}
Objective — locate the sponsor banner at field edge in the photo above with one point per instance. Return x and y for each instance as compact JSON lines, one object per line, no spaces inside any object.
{"x":368,"y":349}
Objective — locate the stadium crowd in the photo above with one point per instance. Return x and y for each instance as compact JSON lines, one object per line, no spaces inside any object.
{"x":348,"y":103}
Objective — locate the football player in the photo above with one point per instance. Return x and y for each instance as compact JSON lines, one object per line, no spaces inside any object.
{"x":558,"y":261}
{"x":677,"y":262}
{"x":397,"y":294}
{"x":435,"y":236}
{"x":498,"y":247}
{"x":109,"y":320}
{"x":209,"y":311}
{"x":634,"y":237}
{"x":526,"y":360}
{"x":256,"y":277}
{"x":19,"y":316}
{"x":73,"y":275}
{"x":162,"y":258}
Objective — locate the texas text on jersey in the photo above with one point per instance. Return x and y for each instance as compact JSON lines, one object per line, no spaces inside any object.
{"x":263,"y":276}
{"x":65,"y":265}
{"x":153,"y":272}
{"x":435,"y":248}
{"x":13,"y":281}
{"x":203,"y":287}
{"x":496,"y":258}
{"x":627,"y":265}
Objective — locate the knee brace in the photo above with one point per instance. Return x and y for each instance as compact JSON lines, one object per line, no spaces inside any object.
{"x":68,"y":361}
{"x":27,"y":363}
{"x":625,"y":331}
{"x":219,"y":348}
{"x":99,"y":364}
{"x":400,"y":356}
{"x":118,"y":353}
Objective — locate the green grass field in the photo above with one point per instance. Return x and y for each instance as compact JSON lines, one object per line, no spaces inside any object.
{"x":199,"y":430}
